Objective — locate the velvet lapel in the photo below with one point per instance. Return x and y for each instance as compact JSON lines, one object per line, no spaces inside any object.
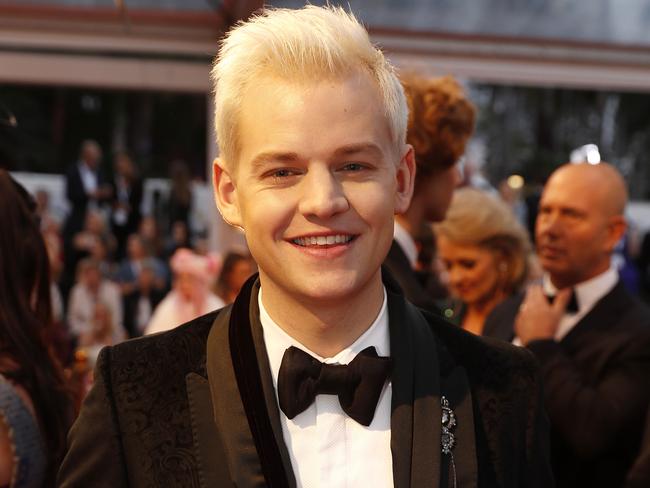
{"x":208,"y":446}
{"x":454,"y":384}
{"x":416,"y":414}
{"x":423,"y":370}
{"x":240,"y":390}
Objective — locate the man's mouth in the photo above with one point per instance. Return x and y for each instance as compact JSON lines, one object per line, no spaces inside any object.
{"x":322,"y":241}
{"x":553,"y":251}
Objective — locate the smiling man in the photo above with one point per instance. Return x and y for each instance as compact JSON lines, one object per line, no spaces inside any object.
{"x":317,"y":375}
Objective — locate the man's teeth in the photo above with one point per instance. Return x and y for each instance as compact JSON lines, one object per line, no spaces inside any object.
{"x":322,"y":240}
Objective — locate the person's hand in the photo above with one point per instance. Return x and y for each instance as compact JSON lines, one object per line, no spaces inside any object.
{"x":537,"y":318}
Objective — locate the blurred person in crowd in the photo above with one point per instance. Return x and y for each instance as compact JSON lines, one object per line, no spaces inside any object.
{"x":510,"y":191}
{"x":485,"y":252}
{"x":149,"y":232}
{"x":592,"y":338}
{"x":237,"y":268}
{"x":201,"y":244}
{"x":35,"y":408}
{"x":311,"y":125}
{"x":61,"y":340}
{"x":95,"y":229}
{"x":178,"y":238}
{"x":85,"y":187}
{"x":90,"y":289}
{"x":131,"y":266}
{"x":126,"y":189}
{"x":83,"y":244}
{"x":99,"y":252}
{"x":49,"y":220}
{"x":441,"y":121}
{"x":179,"y":201}
{"x":140,"y":303}
{"x":191,"y":294}
{"x":99,"y":334}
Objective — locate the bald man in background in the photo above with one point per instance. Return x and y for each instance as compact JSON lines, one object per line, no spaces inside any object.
{"x":592,"y":338}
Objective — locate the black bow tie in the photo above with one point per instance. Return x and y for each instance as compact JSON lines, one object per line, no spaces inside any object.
{"x":358,"y":384}
{"x":572,"y":306}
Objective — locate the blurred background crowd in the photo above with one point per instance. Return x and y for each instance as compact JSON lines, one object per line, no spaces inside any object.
{"x":106,"y":121}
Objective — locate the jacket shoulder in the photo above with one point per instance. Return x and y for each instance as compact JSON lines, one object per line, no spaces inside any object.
{"x":489,"y":362}
{"x":181,"y":350}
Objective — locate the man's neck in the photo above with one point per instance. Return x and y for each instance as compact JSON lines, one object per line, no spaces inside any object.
{"x":411,"y":221}
{"x":325,"y":327}
{"x":560,"y":281}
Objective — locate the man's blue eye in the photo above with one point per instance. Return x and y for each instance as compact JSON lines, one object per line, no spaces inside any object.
{"x":282,"y":173}
{"x":353,"y":167}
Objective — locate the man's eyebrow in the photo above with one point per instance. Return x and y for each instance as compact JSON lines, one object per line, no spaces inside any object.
{"x":265,"y":158}
{"x":357,"y":148}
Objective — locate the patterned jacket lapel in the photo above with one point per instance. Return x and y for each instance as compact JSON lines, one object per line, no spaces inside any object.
{"x":243,"y":398}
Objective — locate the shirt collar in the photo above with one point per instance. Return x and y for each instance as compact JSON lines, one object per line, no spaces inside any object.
{"x":277,"y":341}
{"x":406,"y":242}
{"x":588,"y":292}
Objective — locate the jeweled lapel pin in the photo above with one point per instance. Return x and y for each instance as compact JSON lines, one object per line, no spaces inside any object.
{"x":447,"y":439}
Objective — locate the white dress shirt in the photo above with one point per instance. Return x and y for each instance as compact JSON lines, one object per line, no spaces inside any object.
{"x":587,"y":294}
{"x":407,"y":243}
{"x":88,"y":178}
{"x":328,"y":449}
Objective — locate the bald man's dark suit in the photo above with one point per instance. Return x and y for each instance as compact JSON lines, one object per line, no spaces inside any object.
{"x":196,"y":407}
{"x":597,"y":387}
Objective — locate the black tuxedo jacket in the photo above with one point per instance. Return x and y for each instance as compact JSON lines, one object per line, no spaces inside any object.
{"x":76,"y":195}
{"x":196,"y":407}
{"x":597,"y":387}
{"x":135,"y":201}
{"x":400,"y":269}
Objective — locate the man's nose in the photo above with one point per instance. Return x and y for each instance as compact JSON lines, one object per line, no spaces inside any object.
{"x":322,"y":194}
{"x":548,"y":223}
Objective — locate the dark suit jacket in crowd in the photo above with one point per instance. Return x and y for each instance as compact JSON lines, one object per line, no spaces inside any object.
{"x":597,"y":387}
{"x":135,"y":202}
{"x":130,"y":303}
{"x":196,"y":407}
{"x":76,"y":195}
{"x":400,"y":269}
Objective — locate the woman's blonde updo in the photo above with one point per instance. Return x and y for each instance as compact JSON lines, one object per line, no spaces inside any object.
{"x":478,"y":218}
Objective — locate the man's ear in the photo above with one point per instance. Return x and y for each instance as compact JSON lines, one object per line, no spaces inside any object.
{"x":405,"y":180}
{"x":615,"y":231}
{"x":225,"y":193}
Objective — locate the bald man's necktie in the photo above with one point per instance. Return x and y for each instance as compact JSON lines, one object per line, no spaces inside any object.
{"x":572,"y":306}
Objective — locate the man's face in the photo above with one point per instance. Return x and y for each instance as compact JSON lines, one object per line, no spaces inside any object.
{"x":316,"y":186}
{"x":574,"y":233}
{"x":92,"y":155}
{"x":135,"y":249}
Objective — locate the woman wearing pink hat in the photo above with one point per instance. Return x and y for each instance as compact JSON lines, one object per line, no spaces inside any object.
{"x":190,"y":296}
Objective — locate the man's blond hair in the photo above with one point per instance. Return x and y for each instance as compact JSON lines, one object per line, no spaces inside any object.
{"x":305,"y":45}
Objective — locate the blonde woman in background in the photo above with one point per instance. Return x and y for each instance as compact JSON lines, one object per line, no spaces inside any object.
{"x":485,"y":252}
